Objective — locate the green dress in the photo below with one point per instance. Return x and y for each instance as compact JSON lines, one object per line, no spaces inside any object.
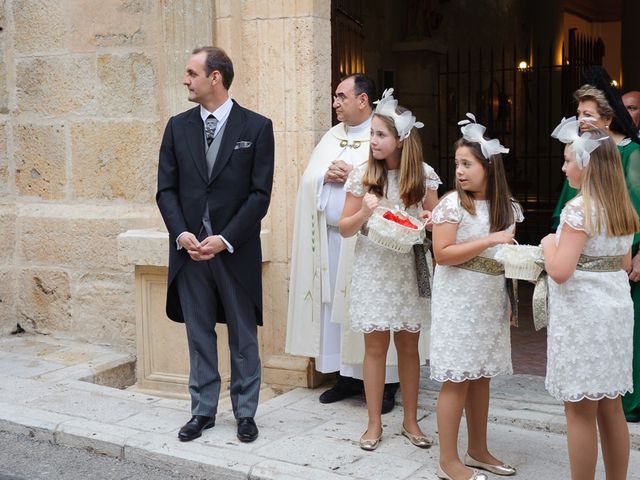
{"x":630,"y":156}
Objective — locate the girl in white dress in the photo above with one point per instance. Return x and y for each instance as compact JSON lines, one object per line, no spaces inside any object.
{"x":590,"y":330}
{"x":470,"y":337}
{"x":384,"y":291}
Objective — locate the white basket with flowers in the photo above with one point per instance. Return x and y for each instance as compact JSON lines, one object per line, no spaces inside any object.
{"x":521,"y":262}
{"x":395,"y":229}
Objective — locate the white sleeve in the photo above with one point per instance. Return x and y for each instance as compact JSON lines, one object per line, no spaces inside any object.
{"x":447,"y":210}
{"x":354,"y":183}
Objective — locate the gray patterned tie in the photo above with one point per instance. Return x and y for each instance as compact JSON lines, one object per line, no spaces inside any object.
{"x":210,"y":125}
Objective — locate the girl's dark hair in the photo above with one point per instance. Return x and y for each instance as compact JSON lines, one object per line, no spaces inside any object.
{"x":501,"y":203}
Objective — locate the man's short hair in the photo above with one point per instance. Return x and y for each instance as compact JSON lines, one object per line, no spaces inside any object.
{"x":217,"y":59}
{"x":363,"y":84}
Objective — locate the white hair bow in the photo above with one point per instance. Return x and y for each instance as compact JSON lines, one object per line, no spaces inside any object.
{"x":568,"y":131}
{"x":403,"y":122}
{"x":474,"y":132}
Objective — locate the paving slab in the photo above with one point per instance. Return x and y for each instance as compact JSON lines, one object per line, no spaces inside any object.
{"x":87,"y":405}
{"x":25,"y":367}
{"x":155,"y":419}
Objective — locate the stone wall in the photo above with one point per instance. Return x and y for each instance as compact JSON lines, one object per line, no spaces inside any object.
{"x":86,"y":87}
{"x":80,"y":123}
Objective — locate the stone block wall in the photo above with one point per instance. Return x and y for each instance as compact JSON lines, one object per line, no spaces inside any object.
{"x":80,"y":126}
{"x":86,"y":87}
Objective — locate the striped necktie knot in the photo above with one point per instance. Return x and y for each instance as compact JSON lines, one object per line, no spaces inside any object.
{"x":210,"y":125}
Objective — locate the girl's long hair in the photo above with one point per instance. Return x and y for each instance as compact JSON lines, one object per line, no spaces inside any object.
{"x":604,"y":187}
{"x":411,"y":175}
{"x":501,"y":203}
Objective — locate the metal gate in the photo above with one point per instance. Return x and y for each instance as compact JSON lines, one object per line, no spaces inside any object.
{"x":347,"y":40}
{"x":520,"y":101}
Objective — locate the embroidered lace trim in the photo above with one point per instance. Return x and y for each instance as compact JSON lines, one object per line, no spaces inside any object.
{"x":394,"y":327}
{"x":457,"y":377}
{"x":577,"y":397}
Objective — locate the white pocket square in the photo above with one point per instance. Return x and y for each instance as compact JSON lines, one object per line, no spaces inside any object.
{"x":242,"y":144}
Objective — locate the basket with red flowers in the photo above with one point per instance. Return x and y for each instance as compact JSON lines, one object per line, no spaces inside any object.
{"x":395,"y":229}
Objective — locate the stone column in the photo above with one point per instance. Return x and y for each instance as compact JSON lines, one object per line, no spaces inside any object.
{"x":282,"y":58}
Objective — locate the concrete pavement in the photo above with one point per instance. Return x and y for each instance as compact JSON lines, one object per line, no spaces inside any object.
{"x":46,"y":392}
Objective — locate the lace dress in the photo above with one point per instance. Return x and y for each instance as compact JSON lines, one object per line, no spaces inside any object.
{"x":590,"y":331}
{"x":384,"y":291}
{"x":470,"y":333}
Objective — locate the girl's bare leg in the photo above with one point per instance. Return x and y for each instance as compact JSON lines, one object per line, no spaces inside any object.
{"x":451,"y":401}
{"x":582,"y":438}
{"x":376,"y":345}
{"x":614,"y":438}
{"x":409,"y":371}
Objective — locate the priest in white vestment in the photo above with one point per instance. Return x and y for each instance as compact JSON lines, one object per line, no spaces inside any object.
{"x":311,"y":330}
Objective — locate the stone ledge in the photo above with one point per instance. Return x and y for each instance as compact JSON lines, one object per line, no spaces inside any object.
{"x":149,"y":247}
{"x":143,"y":247}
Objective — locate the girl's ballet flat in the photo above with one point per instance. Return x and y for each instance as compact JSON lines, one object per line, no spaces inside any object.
{"x":370,"y":445}
{"x":420,"y":441}
{"x":475,"y":476}
{"x":504,"y":469}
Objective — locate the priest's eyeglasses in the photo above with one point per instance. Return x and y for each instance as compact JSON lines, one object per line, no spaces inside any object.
{"x":340,"y":98}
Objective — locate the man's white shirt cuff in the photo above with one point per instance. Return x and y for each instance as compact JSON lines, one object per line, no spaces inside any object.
{"x":229,"y":246}
{"x":178,"y":246}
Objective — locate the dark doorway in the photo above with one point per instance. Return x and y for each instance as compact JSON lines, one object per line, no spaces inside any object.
{"x":520,"y":102}
{"x":347,"y":41}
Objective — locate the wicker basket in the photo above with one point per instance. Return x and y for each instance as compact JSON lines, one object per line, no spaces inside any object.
{"x":520,"y":261}
{"x":392,"y":235}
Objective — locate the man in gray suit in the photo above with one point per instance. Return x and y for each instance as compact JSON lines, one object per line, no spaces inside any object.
{"x":215,"y":174}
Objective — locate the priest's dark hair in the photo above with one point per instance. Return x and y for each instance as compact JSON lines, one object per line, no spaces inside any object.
{"x":363,"y":84}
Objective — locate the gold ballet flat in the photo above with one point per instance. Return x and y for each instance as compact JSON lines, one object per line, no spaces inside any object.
{"x":503,"y":469}
{"x":475,"y":476}
{"x":370,"y":445}
{"x":418,"y":440}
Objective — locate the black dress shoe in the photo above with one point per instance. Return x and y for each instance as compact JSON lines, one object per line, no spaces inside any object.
{"x":193,"y":428}
{"x":389,"y":397}
{"x":345,"y":388}
{"x":247,"y":429}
